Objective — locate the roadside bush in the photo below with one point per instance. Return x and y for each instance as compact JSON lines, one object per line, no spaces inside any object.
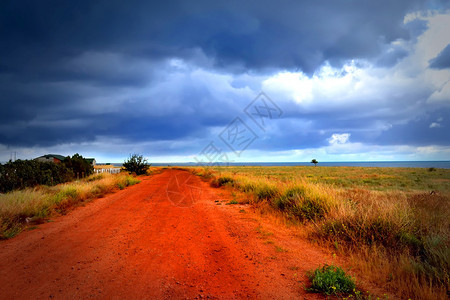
{"x":136,"y":164}
{"x":331,"y":280}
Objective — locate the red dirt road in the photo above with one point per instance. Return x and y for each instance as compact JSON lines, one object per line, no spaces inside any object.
{"x":165,"y":238}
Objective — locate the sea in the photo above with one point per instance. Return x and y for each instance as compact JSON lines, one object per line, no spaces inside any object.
{"x":374,"y":164}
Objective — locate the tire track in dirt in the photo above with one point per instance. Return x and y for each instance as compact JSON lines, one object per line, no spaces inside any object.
{"x":164,"y":238}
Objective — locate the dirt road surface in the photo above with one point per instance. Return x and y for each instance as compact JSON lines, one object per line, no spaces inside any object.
{"x":170,"y":237}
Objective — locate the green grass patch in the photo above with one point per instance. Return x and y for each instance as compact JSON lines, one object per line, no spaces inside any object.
{"x":331,"y":280}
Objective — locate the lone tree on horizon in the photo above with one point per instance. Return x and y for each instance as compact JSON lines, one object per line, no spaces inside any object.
{"x":315,"y":162}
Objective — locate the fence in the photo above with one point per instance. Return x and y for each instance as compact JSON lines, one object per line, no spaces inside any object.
{"x":107,"y":170}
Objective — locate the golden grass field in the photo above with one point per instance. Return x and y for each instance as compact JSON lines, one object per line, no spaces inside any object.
{"x":392,"y":223}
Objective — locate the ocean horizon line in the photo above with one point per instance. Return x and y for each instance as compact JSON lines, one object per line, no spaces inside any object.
{"x":443,"y":164}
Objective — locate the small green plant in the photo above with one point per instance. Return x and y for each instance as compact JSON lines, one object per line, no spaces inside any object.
{"x":130,"y":180}
{"x":280,"y":249}
{"x":232,"y":202}
{"x":331,"y":280}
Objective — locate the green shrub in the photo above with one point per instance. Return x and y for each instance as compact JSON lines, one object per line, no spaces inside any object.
{"x":136,"y":164}
{"x":331,"y":280}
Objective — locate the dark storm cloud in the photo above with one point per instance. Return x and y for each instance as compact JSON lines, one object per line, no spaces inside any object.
{"x":391,"y":56}
{"x":442,"y":61}
{"x":264,"y":34}
{"x":73,"y":71}
{"x":418,"y":132}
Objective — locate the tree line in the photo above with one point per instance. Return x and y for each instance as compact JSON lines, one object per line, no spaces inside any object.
{"x":20,"y":174}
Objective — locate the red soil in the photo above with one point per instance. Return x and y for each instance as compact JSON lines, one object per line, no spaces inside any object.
{"x":166,"y":237}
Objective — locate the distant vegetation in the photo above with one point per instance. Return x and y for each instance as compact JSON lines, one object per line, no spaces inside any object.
{"x":136,"y":164}
{"x":391,"y":222}
{"x":29,"y":173}
{"x":34,"y":205}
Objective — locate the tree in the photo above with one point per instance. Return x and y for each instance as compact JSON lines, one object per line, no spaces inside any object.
{"x":315,"y":162}
{"x":78,"y":165}
{"x":20,"y":174}
{"x":136,"y":164}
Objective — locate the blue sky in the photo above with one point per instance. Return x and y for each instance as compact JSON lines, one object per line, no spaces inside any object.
{"x":351,"y":80}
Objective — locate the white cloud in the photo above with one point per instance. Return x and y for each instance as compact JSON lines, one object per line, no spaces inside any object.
{"x":339,"y":138}
{"x":437,"y":124}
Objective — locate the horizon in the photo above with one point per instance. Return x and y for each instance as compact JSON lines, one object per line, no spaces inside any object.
{"x":264,"y":162}
{"x":224,"y":82}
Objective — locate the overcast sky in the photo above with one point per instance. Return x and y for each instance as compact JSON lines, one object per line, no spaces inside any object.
{"x":181,"y":81}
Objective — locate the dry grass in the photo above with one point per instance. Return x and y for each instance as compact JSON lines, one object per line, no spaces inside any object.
{"x":383,"y":179}
{"x":104,"y":166}
{"x":398,"y":238}
{"x":33,"y":205}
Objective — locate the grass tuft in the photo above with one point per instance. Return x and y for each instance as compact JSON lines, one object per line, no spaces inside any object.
{"x":221,"y":181}
{"x":331,"y":280}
